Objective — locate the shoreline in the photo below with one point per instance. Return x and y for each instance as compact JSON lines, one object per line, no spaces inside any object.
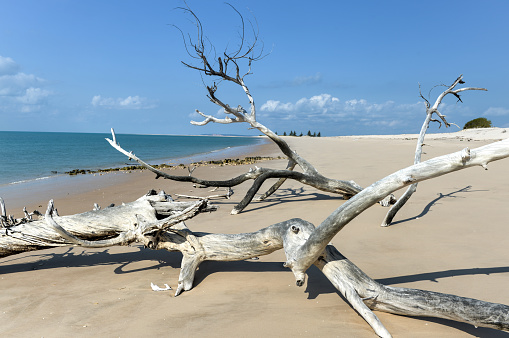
{"x":90,"y":152}
{"x":35,"y":194}
{"x":448,"y":238}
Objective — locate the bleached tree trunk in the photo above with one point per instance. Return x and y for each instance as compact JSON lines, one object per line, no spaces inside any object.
{"x":356,"y":286}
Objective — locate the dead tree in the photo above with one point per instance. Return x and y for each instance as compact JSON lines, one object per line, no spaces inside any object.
{"x":430,"y":110}
{"x":228,"y":68}
{"x":157,"y":222}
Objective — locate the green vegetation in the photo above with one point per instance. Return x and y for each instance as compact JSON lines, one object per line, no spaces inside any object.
{"x":294,"y":133}
{"x":480,"y":122}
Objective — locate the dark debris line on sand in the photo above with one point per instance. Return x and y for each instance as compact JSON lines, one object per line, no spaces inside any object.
{"x":227,"y":161}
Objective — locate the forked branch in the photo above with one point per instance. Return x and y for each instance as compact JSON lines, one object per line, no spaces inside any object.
{"x":430,"y":110}
{"x":197,"y":49}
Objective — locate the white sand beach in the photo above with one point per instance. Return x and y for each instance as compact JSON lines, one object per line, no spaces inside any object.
{"x":451,"y":237}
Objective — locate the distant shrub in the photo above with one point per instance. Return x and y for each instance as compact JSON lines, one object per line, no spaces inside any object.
{"x":480,"y":122}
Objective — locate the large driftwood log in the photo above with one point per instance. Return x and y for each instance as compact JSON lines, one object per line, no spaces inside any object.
{"x":359,"y":289}
{"x":120,"y":225}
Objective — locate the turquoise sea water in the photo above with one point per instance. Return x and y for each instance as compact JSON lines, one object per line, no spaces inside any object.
{"x":31,"y":156}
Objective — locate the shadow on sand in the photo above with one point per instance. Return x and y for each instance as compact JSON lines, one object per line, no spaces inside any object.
{"x":427,"y":208}
{"x":288,"y":195}
{"x":317,"y":283}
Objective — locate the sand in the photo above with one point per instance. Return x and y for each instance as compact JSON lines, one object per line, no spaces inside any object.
{"x":450,"y":237}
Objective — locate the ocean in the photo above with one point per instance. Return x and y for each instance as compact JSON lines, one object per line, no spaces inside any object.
{"x":32,"y":156}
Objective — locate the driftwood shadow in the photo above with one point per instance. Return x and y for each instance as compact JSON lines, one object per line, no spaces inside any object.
{"x":427,"y":208}
{"x":317,"y":283}
{"x":284,"y":195}
{"x":433,"y":276}
{"x":482,"y":332}
{"x":208,"y":268}
{"x":75,"y":258}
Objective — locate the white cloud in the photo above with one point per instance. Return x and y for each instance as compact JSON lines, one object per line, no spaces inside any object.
{"x":325,"y":107}
{"x":496,"y":111}
{"x":8,"y":66}
{"x":272,"y":106}
{"x":20,"y":92}
{"x":315,"y":105}
{"x":17,"y":84}
{"x":33,"y":95}
{"x":130,"y":102}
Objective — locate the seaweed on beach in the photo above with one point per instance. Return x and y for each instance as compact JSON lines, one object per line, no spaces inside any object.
{"x":226,"y":161}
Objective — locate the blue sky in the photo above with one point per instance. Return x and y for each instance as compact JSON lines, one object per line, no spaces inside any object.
{"x":340,"y":67}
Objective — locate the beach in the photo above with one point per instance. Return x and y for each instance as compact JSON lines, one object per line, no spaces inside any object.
{"x":450,"y":237}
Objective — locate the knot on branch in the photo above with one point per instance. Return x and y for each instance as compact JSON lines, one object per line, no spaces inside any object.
{"x":465,"y":155}
{"x":408,"y":179}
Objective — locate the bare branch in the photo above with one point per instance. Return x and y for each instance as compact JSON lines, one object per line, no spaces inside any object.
{"x":291,"y":165}
{"x":210,"y":118}
{"x":420,"y":141}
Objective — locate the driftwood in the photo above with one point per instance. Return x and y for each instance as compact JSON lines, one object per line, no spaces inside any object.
{"x":120,"y":225}
{"x":157,"y":222}
{"x":228,"y":68}
{"x":227,"y":195}
{"x":430,"y":110}
{"x":259,"y":175}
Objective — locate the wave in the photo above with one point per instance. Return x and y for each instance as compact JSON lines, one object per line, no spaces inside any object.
{"x":30,"y":180}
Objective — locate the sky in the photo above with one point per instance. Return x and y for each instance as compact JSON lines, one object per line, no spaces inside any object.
{"x":334,"y":67}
